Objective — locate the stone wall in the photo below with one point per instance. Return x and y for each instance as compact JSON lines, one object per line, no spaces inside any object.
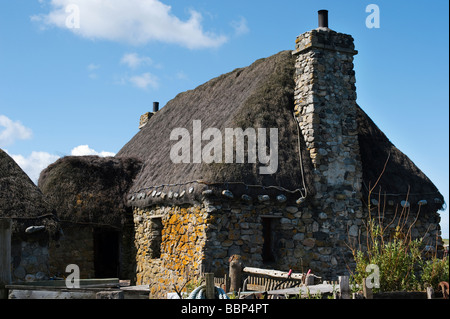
{"x":30,"y":259}
{"x":201,"y":238}
{"x":74,"y":247}
{"x":169,"y":243}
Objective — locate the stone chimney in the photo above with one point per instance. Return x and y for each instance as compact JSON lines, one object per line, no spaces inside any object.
{"x":147,"y":116}
{"x":325,"y":108}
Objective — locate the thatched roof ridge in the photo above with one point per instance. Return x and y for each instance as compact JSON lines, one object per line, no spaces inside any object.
{"x":21,"y":200}
{"x":89,"y":189}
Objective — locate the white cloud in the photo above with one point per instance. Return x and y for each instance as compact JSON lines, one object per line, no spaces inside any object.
{"x":91,"y":68}
{"x":134,"y":21}
{"x":10,"y":131}
{"x":145,"y":80}
{"x":181,"y":76}
{"x":82,"y":150}
{"x":34,"y":163}
{"x":240,"y":26}
{"x":133,"y":60}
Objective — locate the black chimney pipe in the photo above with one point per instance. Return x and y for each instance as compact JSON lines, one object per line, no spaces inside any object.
{"x":323,"y":18}
{"x":155,"y":107}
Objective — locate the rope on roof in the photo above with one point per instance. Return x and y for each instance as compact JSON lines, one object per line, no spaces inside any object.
{"x":33,"y":217}
{"x":398,"y":194}
{"x":280,"y":188}
{"x":300,"y":157}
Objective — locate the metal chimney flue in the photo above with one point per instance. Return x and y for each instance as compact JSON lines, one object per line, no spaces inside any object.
{"x":323,"y":18}
{"x":155,"y":107}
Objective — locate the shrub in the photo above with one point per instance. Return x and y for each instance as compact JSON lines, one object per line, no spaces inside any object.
{"x":396,"y":259}
{"x":434,"y":271}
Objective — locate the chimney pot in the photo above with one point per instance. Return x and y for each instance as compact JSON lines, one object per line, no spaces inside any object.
{"x":323,"y":18}
{"x":155,"y":107}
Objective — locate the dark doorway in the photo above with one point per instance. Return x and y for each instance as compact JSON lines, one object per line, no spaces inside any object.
{"x":267,"y":250}
{"x":106,"y":253}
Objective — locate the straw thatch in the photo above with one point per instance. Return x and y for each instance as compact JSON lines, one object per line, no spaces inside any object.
{"x":21,"y":200}
{"x":260,"y":95}
{"x":401,"y":179}
{"x":89,"y":189}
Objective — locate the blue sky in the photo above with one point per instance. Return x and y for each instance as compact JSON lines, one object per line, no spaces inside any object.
{"x":66,"y":90}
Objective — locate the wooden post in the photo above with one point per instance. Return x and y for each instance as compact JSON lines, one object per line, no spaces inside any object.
{"x":5,"y":256}
{"x":235,"y":273}
{"x":430,"y":293}
{"x":367,"y":292}
{"x":210,"y":290}
{"x":344,"y":287}
{"x":309,"y":280}
{"x":226,"y":283}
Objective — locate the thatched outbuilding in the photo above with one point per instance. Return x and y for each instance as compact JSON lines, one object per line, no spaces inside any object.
{"x":34,"y":223}
{"x":88,"y":194}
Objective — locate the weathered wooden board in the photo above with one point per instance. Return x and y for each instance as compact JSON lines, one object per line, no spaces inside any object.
{"x":313,"y":290}
{"x":272,"y":273}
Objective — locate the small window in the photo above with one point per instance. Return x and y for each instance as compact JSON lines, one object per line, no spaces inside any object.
{"x":268,"y":245}
{"x":155,"y":238}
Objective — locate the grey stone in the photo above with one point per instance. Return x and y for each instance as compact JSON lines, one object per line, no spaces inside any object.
{"x":20,"y":272}
{"x":323,"y":215}
{"x":353,"y":231}
{"x":33,"y":229}
{"x":228,"y":194}
{"x":109,"y":295}
{"x":291,"y":209}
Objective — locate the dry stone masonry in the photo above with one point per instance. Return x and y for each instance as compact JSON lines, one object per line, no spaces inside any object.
{"x":325,"y":107}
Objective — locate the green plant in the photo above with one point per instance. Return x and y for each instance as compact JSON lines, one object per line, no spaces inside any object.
{"x":396,"y":260}
{"x":434,"y":271}
{"x":396,"y":255}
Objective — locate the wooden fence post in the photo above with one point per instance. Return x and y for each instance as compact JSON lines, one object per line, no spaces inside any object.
{"x":344,"y":287}
{"x":235,"y":273}
{"x":5,"y":256}
{"x":226,"y":280}
{"x":210,"y":290}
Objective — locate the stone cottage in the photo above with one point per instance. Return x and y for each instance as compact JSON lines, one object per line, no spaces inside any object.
{"x":87,"y":193}
{"x":307,"y":165}
{"x":29,"y":221}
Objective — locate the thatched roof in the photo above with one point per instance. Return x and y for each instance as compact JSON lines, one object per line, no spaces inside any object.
{"x":401,"y":180}
{"x":89,"y":189}
{"x":21,"y":200}
{"x":259,"y":96}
